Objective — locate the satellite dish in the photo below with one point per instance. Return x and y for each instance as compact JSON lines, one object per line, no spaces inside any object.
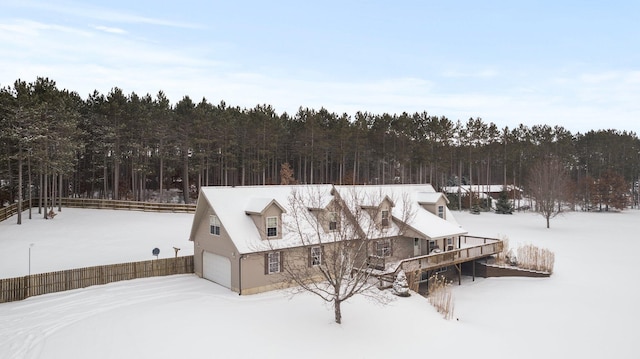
{"x":155,"y":252}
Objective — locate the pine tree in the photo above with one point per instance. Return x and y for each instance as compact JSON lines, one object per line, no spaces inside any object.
{"x":503,"y":205}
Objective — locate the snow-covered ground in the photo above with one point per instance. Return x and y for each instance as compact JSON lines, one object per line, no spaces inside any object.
{"x":587,"y":309}
{"x":78,"y":238}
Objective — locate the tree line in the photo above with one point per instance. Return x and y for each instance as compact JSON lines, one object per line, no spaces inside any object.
{"x":128,"y":146}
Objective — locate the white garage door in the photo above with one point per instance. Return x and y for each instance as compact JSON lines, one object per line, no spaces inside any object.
{"x":216,"y":268}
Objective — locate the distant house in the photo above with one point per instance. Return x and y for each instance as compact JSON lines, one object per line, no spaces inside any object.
{"x":242,"y":235}
{"x":483,"y":190}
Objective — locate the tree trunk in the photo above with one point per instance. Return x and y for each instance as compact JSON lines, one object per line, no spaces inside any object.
{"x":40,"y":189}
{"x":45,"y":192}
{"x":185,"y":176}
{"x":20,"y":184}
{"x":60,"y":192}
{"x":29,"y":184}
{"x":337,"y":311}
{"x":104,"y":179}
{"x":161,"y":180}
{"x":116,"y":177}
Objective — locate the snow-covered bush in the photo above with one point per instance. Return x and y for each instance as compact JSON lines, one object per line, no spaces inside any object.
{"x":401,"y":286}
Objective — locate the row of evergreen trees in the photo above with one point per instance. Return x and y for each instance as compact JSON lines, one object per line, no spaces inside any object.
{"x":120,"y":146}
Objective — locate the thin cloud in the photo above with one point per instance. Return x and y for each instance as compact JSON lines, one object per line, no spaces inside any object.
{"x":486,"y":73}
{"x":111,"y":30}
{"x":104,"y":14}
{"x":34,"y":28}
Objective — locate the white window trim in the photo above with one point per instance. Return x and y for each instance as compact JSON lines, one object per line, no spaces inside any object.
{"x":333,"y":220}
{"x":384,"y":218}
{"x":267,"y":227}
{"x":274,"y":260}
{"x":214,"y":225}
{"x":380,"y":248}
{"x":315,"y":256}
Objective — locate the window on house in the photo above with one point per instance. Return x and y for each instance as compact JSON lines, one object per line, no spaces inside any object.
{"x":214,"y":225}
{"x":441,"y":211}
{"x":316,"y":256}
{"x":273,"y":262}
{"x":385,"y":218}
{"x":383,"y":248}
{"x":272,"y":226}
{"x":333,"y":221}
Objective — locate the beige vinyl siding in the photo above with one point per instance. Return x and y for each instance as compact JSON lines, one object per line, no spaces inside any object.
{"x":216,"y":244}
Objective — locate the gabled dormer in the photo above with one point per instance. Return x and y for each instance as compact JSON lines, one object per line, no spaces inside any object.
{"x":266,"y":214}
{"x":434,"y":202}
{"x":381,"y":212}
{"x":329,"y":216}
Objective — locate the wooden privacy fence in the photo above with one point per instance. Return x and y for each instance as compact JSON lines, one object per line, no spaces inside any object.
{"x":12,"y":289}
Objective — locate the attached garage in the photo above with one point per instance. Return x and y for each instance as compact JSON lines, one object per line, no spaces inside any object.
{"x":216,"y":268}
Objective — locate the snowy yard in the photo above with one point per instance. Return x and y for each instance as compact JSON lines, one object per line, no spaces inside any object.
{"x":587,"y":309}
{"x":78,"y":238}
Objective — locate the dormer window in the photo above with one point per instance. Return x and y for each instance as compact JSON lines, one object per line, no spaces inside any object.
{"x":385,"y":219}
{"x":333,"y":221}
{"x":272,"y":227}
{"x":441,"y":211}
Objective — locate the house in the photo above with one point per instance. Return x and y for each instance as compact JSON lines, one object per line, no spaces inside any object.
{"x":483,"y":191}
{"x":485,"y":194}
{"x":243,"y":235}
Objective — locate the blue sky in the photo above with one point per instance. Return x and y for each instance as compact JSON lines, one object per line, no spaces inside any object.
{"x":574,"y":64}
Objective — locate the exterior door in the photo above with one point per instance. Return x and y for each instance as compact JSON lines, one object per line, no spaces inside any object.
{"x":417,"y":247}
{"x":216,"y":268}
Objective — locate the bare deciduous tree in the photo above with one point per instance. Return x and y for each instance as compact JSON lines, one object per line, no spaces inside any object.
{"x":337,"y":239}
{"x":547,"y":185}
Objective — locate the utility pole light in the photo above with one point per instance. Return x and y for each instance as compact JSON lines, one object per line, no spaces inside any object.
{"x":30,"y":246}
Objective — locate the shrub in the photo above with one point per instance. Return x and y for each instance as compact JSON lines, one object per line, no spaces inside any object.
{"x":503,"y":256}
{"x":401,"y":286}
{"x":532,"y":257}
{"x":440,"y":295}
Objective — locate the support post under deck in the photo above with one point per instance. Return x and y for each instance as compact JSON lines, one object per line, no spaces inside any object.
{"x":474,"y":270}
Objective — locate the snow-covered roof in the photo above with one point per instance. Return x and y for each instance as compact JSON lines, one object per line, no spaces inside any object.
{"x":258,"y":205}
{"x":430,"y":197}
{"x":479,"y":188}
{"x":407,"y":208}
{"x":233,"y":205}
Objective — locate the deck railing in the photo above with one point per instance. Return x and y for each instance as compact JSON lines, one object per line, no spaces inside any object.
{"x":489,"y":246}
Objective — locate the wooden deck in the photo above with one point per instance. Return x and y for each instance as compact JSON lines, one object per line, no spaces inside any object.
{"x":472,"y":248}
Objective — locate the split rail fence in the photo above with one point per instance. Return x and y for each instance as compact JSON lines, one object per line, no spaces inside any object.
{"x":19,"y":288}
{"x":8,"y":211}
